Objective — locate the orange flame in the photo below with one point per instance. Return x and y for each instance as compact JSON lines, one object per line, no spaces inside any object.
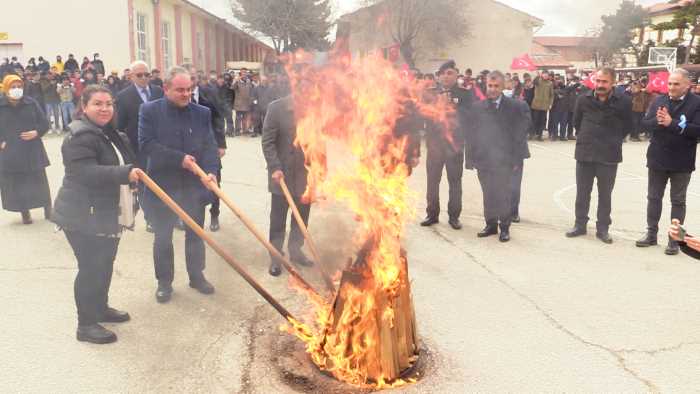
{"x":354,"y":106}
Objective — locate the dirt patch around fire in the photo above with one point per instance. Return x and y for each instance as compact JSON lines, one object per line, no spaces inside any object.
{"x":294,"y":368}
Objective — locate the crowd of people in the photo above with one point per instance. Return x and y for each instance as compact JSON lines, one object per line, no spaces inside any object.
{"x":174,"y":130}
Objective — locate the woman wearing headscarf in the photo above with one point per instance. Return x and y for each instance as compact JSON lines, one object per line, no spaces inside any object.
{"x":23,"y":159}
{"x":93,"y":207}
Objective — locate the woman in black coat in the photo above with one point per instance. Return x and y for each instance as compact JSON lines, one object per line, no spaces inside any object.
{"x":23,"y":159}
{"x":88,"y":207}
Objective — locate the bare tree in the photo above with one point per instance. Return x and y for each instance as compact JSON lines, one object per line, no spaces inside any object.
{"x":290,"y":24}
{"x":420,"y":26}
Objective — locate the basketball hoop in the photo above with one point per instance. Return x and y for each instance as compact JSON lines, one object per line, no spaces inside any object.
{"x":663,"y":56}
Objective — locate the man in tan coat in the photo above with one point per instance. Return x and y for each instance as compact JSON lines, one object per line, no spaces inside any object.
{"x":541,"y":104}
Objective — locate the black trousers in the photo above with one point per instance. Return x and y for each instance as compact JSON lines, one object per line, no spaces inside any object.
{"x":436,"y":161}
{"x":278,"y":224}
{"x":637,"y":118}
{"x":570,"y":124}
{"x":95,"y":265}
{"x":496,"y":186}
{"x":539,"y":122}
{"x":163,"y":252}
{"x":215,"y":209}
{"x":516,"y":182}
{"x":657,"y":186}
{"x":605,"y":175}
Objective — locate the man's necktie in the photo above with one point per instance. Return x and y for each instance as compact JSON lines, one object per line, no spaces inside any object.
{"x":146,"y":94}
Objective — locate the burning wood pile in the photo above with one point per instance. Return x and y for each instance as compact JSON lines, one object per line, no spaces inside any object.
{"x":367,"y":335}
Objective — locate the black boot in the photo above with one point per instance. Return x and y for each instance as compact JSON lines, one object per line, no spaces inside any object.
{"x":672,"y":248}
{"x":298,"y":257}
{"x":164,"y":292}
{"x":604,"y":236}
{"x":648,"y":240}
{"x":26,"y":217}
{"x":577,"y":231}
{"x":455,"y":224}
{"x":504,"y":236}
{"x":489,"y":230}
{"x":95,"y":333}
{"x":214,"y":226}
{"x":275,"y":269}
{"x":429,"y":221}
{"x":201,"y":284}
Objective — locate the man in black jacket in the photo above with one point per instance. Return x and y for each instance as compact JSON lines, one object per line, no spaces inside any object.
{"x":446,"y":147}
{"x":497,"y":146}
{"x":674,"y":123}
{"x":602,"y":119}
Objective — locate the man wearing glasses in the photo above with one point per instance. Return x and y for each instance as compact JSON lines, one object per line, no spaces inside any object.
{"x":129,"y":102}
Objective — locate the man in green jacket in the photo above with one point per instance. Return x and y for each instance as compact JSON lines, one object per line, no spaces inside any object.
{"x":541,"y":104}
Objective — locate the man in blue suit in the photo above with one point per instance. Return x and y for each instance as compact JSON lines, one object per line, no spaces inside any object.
{"x":174,"y":134}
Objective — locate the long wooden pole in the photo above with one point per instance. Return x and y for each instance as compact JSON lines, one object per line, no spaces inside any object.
{"x":304,"y":230}
{"x":202,"y":234}
{"x":250,"y":226}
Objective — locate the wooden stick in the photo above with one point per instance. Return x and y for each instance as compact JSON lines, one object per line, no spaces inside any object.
{"x":202,"y":234}
{"x":251,"y":227}
{"x":304,"y":230}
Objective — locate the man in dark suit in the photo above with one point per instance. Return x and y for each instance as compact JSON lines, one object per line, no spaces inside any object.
{"x":674,"y":123}
{"x":445,"y":147}
{"x":130,"y":99}
{"x":284,"y":160}
{"x":129,"y":102}
{"x":174,"y":134}
{"x":205,"y":97}
{"x":497,"y":147}
{"x":602,"y":119}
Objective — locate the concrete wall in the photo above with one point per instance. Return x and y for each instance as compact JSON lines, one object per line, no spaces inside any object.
{"x":72,"y":26}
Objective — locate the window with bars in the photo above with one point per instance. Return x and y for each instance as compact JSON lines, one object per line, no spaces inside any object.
{"x":142,"y":37}
{"x":165,"y":43}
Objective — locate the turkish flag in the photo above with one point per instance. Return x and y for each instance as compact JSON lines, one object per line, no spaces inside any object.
{"x":523,"y":62}
{"x":658,"y":82}
{"x":589,"y":81}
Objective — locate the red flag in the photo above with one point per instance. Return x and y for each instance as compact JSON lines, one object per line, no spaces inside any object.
{"x":658,"y":82}
{"x":589,"y":81}
{"x":523,"y":62}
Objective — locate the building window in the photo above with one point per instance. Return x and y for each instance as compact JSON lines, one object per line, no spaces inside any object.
{"x":200,"y":50}
{"x":165,"y":45}
{"x":142,"y":37}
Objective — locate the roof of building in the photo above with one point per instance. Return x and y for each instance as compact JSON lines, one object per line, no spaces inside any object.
{"x":667,"y":7}
{"x":228,"y":24}
{"x":561,"y":41}
{"x":544,"y":57}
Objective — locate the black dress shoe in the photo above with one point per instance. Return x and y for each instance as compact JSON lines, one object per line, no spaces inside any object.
{"x":149,"y":228}
{"x":515,"y":219}
{"x":301,"y":259}
{"x":672,"y":249}
{"x":577,"y":231}
{"x":488,"y":231}
{"x":275,"y":269}
{"x":455,"y":224}
{"x":202,"y":285}
{"x":504,"y":236}
{"x":604,"y":237}
{"x":429,"y":221}
{"x":112,"y":315}
{"x":648,"y":240}
{"x":95,"y":333}
{"x":164,"y":292}
{"x":214,"y":226}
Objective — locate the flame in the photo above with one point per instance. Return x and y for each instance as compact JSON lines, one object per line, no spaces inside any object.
{"x":353,"y":106}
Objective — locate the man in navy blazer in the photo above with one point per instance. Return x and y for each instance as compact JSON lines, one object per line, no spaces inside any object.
{"x":674,"y":123}
{"x":174,"y":134}
{"x":130,"y":99}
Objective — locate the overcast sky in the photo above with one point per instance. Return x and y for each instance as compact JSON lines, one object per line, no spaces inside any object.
{"x":561,"y":17}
